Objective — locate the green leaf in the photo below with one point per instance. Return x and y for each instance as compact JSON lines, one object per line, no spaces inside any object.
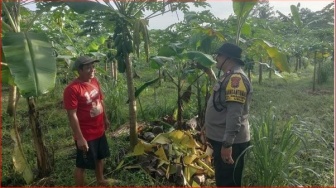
{"x":93,"y":47}
{"x":246,"y":30}
{"x":31,"y":63}
{"x":204,"y":59}
{"x":296,"y":16}
{"x":171,"y":50}
{"x":243,"y":8}
{"x":158,"y":61}
{"x":6,"y":76}
{"x":279,"y":59}
{"x":138,"y":91}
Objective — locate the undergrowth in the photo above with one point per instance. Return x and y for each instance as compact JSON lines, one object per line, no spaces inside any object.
{"x":291,"y":98}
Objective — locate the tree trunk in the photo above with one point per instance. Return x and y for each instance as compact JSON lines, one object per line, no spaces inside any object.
{"x":260,"y":72}
{"x":179,"y":105}
{"x":296,"y":63}
{"x":11,"y":100}
{"x":314,"y":73}
{"x":270,"y":70}
{"x":43,"y":160}
{"x":132,"y":103}
{"x":199,"y":102}
{"x":114,"y":70}
{"x":319,"y":68}
{"x":111,"y":70}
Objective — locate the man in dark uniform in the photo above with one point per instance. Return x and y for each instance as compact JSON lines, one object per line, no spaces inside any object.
{"x":226,"y":118}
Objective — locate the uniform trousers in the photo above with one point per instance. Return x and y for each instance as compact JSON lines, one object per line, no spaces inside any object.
{"x":228,"y":175}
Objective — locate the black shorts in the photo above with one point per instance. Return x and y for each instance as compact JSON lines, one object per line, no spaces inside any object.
{"x":98,"y":149}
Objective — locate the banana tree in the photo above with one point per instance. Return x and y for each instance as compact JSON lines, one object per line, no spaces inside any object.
{"x":182,"y":72}
{"x":242,"y":10}
{"x":33,"y":70}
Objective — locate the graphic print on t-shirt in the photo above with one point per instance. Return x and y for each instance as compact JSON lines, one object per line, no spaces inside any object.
{"x":92,"y":98}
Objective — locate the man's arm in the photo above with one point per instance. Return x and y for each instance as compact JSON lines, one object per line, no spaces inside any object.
{"x":74,"y":124}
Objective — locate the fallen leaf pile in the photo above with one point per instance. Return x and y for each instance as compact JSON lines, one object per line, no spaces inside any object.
{"x":174,"y":155}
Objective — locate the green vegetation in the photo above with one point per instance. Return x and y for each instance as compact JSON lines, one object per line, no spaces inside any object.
{"x":168,"y":73}
{"x":278,"y":107}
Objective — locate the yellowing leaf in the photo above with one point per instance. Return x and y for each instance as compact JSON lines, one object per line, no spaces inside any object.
{"x":191,"y":172}
{"x":194,"y":184}
{"x":184,"y":138}
{"x":195,"y":169}
{"x":161,"y":154}
{"x":19,"y":159}
{"x":176,"y":136}
{"x":161,"y":139}
{"x":147,"y":146}
{"x":120,"y":165}
{"x":139,"y":149}
{"x":206,"y":167}
{"x":189,"y":141}
{"x":188,"y":159}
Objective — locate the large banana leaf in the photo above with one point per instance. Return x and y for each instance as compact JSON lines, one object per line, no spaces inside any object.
{"x":243,"y":8}
{"x":172,"y":49}
{"x":296,"y":16}
{"x":279,"y":59}
{"x":6,"y":77}
{"x":204,"y":59}
{"x":31,"y":63}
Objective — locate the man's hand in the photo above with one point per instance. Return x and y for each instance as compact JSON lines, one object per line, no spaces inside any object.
{"x":226,"y":154}
{"x":82,"y":145}
{"x":107,"y":123}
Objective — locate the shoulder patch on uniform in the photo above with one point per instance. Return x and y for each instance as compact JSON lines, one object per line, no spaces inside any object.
{"x":235,"y":89}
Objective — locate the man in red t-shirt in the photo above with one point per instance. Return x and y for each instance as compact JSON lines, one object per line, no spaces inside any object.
{"x":83,"y":101}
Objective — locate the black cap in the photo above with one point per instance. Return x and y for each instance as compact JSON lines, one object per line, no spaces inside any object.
{"x":82,"y":60}
{"x":231,"y":50}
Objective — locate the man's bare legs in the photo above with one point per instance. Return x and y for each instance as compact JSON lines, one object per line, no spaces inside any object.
{"x":79,"y":176}
{"x":100,"y":173}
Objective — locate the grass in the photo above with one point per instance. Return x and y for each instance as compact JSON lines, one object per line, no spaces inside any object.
{"x":311,"y":164}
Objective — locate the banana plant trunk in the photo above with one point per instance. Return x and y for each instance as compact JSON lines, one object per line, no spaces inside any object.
{"x":11,"y":100}
{"x":260,"y":72}
{"x":132,"y":103}
{"x":314,"y":73}
{"x":43,"y":160}
{"x":179,"y":104}
{"x":270,"y":70}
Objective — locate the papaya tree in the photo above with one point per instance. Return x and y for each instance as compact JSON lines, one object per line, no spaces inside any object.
{"x":129,"y":33}
{"x":130,"y":30}
{"x":32,"y":66}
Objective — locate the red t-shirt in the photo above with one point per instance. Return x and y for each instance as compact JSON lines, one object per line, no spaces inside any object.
{"x":86,"y":98}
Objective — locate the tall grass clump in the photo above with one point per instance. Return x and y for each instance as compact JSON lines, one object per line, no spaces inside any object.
{"x":272,"y":153}
{"x":316,"y":154}
{"x":115,"y":98}
{"x":325,"y":72}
